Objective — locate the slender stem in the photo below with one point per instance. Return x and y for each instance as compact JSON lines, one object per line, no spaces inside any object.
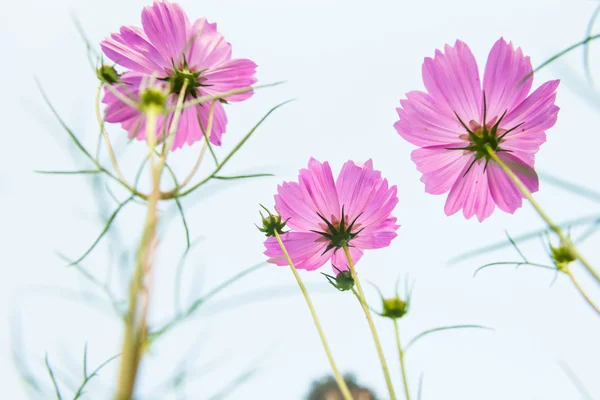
{"x":401,"y":355}
{"x":580,"y":289}
{"x":111,"y":153}
{"x":338,"y":377}
{"x":136,"y":330}
{"x":204,"y":147}
{"x":365,"y":307}
{"x":565,"y":241}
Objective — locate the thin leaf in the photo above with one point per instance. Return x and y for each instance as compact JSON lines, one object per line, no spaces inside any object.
{"x":510,"y":239}
{"x":524,"y":237}
{"x":586,"y":46}
{"x":562,"y":53}
{"x":420,"y":389}
{"x":443,"y":328}
{"x":234,"y":384}
{"x":228,"y":178}
{"x":94,"y":373}
{"x":194,"y":306}
{"x":54,"y":382}
{"x":106,"y":228}
{"x":85,"y":374}
{"x":180,"y":208}
{"x":579,"y":190}
{"x":232,"y":152}
{"x":575,"y":380}
{"x":64,"y":125}
{"x":84,"y":171}
{"x":517,"y":264}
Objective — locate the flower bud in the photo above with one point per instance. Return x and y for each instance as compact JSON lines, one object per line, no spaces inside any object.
{"x":562,"y":256}
{"x":108,"y":74}
{"x":394,"y":308}
{"x":342,"y":282}
{"x":153,"y":100}
{"x":271,"y":223}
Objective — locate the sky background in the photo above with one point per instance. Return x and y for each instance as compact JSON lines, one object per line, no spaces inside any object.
{"x":347,"y":64}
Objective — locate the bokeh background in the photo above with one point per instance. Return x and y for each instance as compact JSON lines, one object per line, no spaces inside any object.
{"x":347,"y":64}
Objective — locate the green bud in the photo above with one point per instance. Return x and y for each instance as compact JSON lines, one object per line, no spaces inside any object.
{"x":108,"y":74}
{"x":271,"y":223}
{"x":342,"y":282}
{"x":394,"y":308}
{"x":153,"y":100}
{"x":562,"y":257}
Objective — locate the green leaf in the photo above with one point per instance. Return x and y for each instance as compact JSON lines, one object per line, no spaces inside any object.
{"x":562,"y":53}
{"x":443,"y":328}
{"x":232,"y":152}
{"x":579,"y":190}
{"x":586,"y":46}
{"x":228,"y":178}
{"x":575,"y":380}
{"x":180,"y":208}
{"x":86,"y":379}
{"x":53,"y":378}
{"x":524,"y":237}
{"x":515,"y":263}
{"x":84,"y":171}
{"x":106,"y":228}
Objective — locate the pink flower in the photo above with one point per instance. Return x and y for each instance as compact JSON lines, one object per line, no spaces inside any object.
{"x":173,"y":50}
{"x":454,"y":121}
{"x":354,"y":210}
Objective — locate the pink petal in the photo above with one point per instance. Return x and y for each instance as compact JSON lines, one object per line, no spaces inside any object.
{"x":504,"y":192}
{"x":207,"y":46}
{"x":452,"y":80}
{"x":230,"y":75}
{"x":537,"y":112}
{"x":295,"y":207}
{"x":116,"y":110}
{"x":423,"y":122}
{"x":503,"y":78}
{"x":167,"y":26}
{"x":340,"y":261}
{"x":377,"y":236}
{"x":305,"y":249}
{"x":356,"y":186}
{"x":470,"y":193}
{"x":318,"y":186}
{"x":132,"y":49}
{"x":440,"y":167}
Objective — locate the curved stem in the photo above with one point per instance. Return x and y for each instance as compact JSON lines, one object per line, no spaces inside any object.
{"x":565,"y":241}
{"x":401,"y":355}
{"x":111,"y":152}
{"x":582,"y":292}
{"x":365,"y":307}
{"x":338,"y":377}
{"x":204,"y":147}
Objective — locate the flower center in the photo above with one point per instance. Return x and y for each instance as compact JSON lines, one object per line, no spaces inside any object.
{"x":340,"y":234}
{"x":480,"y":137}
{"x":182,"y":75}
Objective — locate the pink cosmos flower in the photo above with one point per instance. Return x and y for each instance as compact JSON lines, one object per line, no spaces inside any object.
{"x":175,"y":51}
{"x":457,"y":117}
{"x":324,"y":214}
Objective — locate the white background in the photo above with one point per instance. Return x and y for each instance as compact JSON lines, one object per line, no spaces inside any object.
{"x":347,"y":64}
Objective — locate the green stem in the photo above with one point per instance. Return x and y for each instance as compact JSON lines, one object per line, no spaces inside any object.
{"x":338,"y":377}
{"x":401,"y":355}
{"x":136,"y":330}
{"x":365,"y":307}
{"x":581,"y":291}
{"x":564,"y":240}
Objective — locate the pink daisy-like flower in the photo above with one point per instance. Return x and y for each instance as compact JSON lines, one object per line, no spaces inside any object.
{"x":171,"y":49}
{"x":325,"y":214}
{"x":457,"y":119}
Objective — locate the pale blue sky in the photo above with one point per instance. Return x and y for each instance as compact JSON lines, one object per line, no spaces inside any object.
{"x":347,"y":64}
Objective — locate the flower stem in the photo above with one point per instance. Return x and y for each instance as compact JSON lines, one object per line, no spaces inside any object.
{"x":338,"y":377}
{"x":401,"y":355}
{"x":565,"y":241}
{"x":365,"y":307}
{"x":580,"y":289}
{"x":135,"y":339}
